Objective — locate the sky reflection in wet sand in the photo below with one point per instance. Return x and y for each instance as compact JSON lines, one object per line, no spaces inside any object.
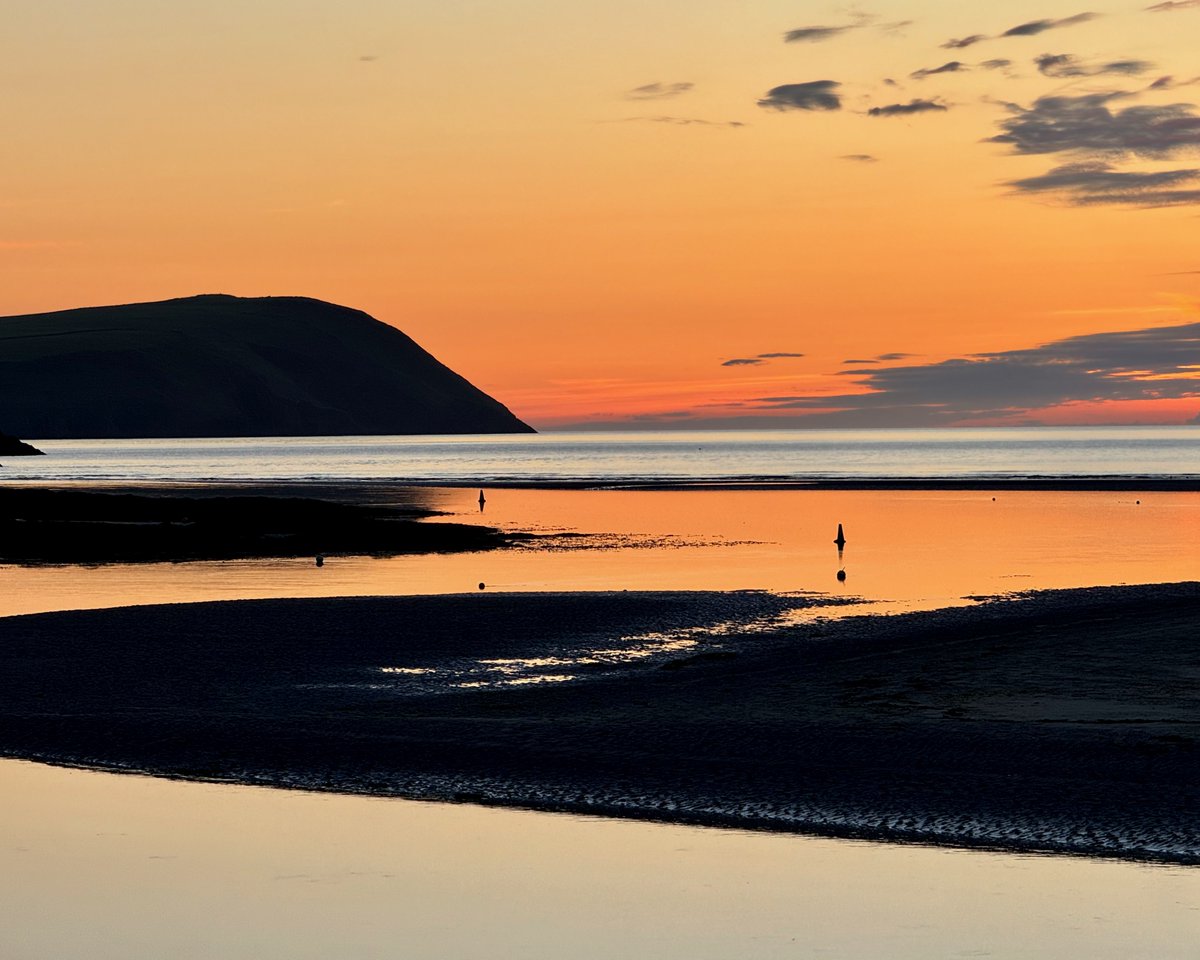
{"x":912,"y":548}
{"x":108,"y":867}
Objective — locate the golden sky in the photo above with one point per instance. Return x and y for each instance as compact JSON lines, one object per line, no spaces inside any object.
{"x":590,"y":208}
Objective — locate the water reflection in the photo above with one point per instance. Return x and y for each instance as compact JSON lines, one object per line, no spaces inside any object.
{"x":709,"y":539}
{"x":108,"y":867}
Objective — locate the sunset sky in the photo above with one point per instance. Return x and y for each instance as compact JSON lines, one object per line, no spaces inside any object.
{"x":680,"y":213}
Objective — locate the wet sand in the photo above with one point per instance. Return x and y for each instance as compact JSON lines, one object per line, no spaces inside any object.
{"x":1064,"y":721}
{"x":88,"y":526}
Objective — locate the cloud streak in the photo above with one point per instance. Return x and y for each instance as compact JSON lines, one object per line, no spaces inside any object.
{"x":815,"y":95}
{"x":659,"y":91}
{"x":817,"y":34}
{"x":1034,"y":27}
{"x":908,"y":109}
{"x":1094,"y":183}
{"x":1086,"y":125}
{"x":1153,"y":364}
{"x":1063,"y":66}
{"x":954,"y":66}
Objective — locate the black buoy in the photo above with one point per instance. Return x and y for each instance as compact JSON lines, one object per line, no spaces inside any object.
{"x":841,"y":575}
{"x":841,"y":537}
{"x":482,"y":584}
{"x":320,"y":560}
{"x":482,"y":501}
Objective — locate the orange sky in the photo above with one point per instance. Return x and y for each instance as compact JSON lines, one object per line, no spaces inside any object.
{"x":488,"y":178}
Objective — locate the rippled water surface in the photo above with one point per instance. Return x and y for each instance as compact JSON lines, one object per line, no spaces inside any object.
{"x":784,"y":455}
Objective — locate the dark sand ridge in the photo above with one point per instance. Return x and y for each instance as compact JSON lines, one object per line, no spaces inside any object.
{"x":1061,"y":721}
{"x":84,"y":526}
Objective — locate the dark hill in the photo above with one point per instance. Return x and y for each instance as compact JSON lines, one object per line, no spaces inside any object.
{"x":215,"y":366}
{"x":12,"y":447}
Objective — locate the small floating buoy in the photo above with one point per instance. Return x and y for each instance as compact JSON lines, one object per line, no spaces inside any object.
{"x":1138,"y":502}
{"x":320,"y":560}
{"x":841,"y":575}
{"x":482,"y":501}
{"x":482,"y":584}
{"x":841,"y":537}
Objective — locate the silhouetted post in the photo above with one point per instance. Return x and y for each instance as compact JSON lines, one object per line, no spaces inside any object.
{"x":482,"y":501}
{"x":841,"y":538}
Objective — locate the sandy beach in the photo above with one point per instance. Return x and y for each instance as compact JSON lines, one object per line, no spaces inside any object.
{"x":1058,"y":721}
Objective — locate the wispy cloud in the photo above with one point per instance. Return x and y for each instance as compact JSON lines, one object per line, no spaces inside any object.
{"x":1150,"y":364}
{"x":686,"y":121}
{"x":907,"y":109}
{"x":814,"y":95}
{"x":961,"y":43}
{"x":1169,"y":6}
{"x":817,"y":34}
{"x":1034,"y":27}
{"x":1086,"y":125}
{"x":859,"y":157}
{"x":997,"y":64}
{"x":954,"y":66}
{"x":1095,"y":182}
{"x":658,"y":91}
{"x":760,"y":359}
{"x":1087,"y":129}
{"x":1030,"y":28}
{"x":1065,"y":65}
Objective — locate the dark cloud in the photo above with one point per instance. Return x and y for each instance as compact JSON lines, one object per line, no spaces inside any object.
{"x":658,"y":91}
{"x":814,"y":95}
{"x":998,"y":64}
{"x":853,"y":362}
{"x":1167,"y":6}
{"x":759,"y":359}
{"x":1065,"y":65}
{"x":859,"y":157}
{"x":894,"y":356}
{"x":1159,"y":363}
{"x":1085,"y":125}
{"x":954,"y":66}
{"x":1095,"y":183}
{"x":1170,"y":83}
{"x":816,"y":34}
{"x":686,"y":121}
{"x":963,"y":42}
{"x":905,"y":109}
{"x":1034,"y":27}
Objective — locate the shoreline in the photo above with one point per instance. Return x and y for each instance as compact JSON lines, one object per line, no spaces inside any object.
{"x":357,"y":487}
{"x":1057,"y":722}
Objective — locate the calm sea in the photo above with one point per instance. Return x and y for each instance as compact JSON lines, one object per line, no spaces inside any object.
{"x":785,"y":455}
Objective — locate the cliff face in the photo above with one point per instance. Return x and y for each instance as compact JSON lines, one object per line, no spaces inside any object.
{"x":229,"y":366}
{"x":12,"y":447}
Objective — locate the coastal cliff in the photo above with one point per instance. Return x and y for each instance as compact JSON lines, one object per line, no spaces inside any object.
{"x":218,"y":365}
{"x":12,"y":447}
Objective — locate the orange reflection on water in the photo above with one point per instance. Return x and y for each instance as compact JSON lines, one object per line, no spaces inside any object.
{"x":920,"y":548}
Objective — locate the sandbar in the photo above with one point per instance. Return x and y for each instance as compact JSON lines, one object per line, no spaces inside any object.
{"x":1060,"y":721}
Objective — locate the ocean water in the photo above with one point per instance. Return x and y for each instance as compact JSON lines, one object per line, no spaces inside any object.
{"x":622,"y":457}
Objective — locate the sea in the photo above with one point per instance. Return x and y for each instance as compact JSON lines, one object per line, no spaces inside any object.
{"x":728,"y":456}
{"x":98,"y":865}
